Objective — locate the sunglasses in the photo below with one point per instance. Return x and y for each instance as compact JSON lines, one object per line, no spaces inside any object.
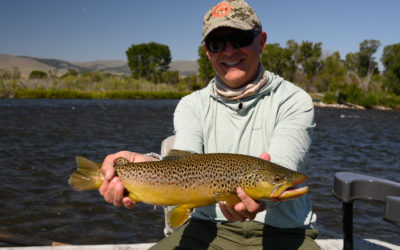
{"x":238,"y":39}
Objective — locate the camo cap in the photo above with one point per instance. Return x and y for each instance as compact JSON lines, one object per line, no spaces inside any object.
{"x":230,"y":13}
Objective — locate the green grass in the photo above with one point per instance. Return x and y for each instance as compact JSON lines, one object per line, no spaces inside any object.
{"x":92,"y":86}
{"x":369,"y":99}
{"x":98,"y":85}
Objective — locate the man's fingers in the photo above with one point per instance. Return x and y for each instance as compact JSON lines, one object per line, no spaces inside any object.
{"x":107,"y":167}
{"x":109,"y":174}
{"x":128,"y":203}
{"x":249,"y":204}
{"x":109,"y":193}
{"x":265,"y":156}
{"x":241,"y":210}
{"x":103,"y":188}
{"x":114,"y":191}
{"x":226,"y":212}
{"x":112,"y":188}
{"x":246,"y":209}
{"x":118,"y":194}
{"x":231,"y":214}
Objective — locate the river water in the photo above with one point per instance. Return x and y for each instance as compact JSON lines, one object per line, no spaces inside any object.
{"x":40,"y":138}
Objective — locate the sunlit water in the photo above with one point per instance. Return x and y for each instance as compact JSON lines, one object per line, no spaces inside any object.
{"x":40,"y":138}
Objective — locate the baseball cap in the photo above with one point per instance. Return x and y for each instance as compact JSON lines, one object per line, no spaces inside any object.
{"x":230,"y":13}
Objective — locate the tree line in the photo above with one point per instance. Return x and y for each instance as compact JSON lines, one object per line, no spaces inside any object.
{"x":303,"y":63}
{"x":306,"y":65}
{"x":356,"y":78}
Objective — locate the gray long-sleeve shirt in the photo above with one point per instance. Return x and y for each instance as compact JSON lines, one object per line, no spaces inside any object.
{"x":278,"y":119}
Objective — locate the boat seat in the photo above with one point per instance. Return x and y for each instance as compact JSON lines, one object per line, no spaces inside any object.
{"x":348,"y":187}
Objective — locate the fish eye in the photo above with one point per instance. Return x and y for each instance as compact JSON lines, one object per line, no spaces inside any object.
{"x":277,"y":178}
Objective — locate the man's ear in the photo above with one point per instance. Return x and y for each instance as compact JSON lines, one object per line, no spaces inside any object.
{"x":207,"y":52}
{"x":263,"y":40}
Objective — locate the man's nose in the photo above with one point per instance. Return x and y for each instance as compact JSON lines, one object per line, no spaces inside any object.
{"x":229,"y":48}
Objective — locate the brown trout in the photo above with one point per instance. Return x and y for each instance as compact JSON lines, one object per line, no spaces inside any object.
{"x":189,"y":180}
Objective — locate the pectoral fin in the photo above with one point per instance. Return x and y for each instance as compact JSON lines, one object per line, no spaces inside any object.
{"x":179,"y":215}
{"x":229,"y":199}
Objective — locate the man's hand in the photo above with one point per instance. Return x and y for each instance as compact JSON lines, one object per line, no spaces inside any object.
{"x":247,"y":208}
{"x":112,"y":188}
{"x":265,"y":156}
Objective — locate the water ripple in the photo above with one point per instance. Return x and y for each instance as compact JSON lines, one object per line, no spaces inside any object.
{"x":40,"y":138}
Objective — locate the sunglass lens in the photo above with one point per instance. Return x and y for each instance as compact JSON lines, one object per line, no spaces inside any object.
{"x":242,"y":39}
{"x":238,"y":39}
{"x":215,"y":44}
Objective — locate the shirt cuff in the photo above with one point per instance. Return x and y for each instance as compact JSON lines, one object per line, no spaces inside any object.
{"x":155,"y":155}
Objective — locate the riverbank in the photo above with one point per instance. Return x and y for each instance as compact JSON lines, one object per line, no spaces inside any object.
{"x":133,"y":94}
{"x":321,"y":104}
{"x":375,"y":101}
{"x":77,"y":94}
{"x":102,"y":86}
{"x":343,"y":106}
{"x":91,"y":86}
{"x":337,"y":105}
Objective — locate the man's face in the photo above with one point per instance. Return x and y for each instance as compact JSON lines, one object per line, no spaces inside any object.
{"x":237,"y":66}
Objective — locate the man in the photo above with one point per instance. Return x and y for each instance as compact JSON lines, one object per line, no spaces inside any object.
{"x":245,"y":110}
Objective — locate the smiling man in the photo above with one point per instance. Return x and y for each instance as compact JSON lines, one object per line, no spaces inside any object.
{"x":246,"y":110}
{"x":235,"y":54}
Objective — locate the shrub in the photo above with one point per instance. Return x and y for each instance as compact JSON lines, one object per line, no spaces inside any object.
{"x":349,"y":93}
{"x":37,"y":74}
{"x":329,"y":98}
{"x":170,"y":77}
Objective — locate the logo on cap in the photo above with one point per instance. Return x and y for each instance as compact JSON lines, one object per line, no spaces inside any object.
{"x":221,"y":10}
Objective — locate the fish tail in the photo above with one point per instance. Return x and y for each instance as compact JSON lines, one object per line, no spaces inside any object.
{"x":88,"y":176}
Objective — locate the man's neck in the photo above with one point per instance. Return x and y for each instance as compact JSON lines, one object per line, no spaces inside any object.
{"x":225,"y":91}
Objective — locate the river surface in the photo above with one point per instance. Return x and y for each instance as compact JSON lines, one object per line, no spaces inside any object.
{"x":40,"y":138}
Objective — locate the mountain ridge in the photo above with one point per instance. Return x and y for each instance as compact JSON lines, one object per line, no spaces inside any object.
{"x":26,"y":64}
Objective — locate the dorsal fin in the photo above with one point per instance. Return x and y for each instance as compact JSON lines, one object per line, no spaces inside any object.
{"x":175,"y":155}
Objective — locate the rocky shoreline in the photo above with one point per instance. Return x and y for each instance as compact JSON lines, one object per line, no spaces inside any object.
{"x":349,"y":106}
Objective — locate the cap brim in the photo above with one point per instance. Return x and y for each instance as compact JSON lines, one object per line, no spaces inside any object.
{"x":228,"y":23}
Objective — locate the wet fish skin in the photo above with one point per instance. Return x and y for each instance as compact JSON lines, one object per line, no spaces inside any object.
{"x":190,"y":180}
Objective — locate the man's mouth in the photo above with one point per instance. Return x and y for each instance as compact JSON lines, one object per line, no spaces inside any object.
{"x":230,"y":64}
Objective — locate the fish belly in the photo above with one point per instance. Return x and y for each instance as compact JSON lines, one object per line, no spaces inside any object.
{"x":161,"y":194}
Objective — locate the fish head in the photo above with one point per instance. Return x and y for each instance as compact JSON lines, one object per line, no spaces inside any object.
{"x":285,"y":186}
{"x":279,"y":186}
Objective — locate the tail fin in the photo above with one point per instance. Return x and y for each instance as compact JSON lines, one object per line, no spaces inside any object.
{"x":88,"y":176}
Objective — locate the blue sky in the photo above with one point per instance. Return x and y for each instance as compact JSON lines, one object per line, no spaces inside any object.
{"x":86,"y":30}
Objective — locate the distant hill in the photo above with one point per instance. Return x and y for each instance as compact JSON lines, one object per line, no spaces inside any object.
{"x":186,"y":68}
{"x":27,"y":64}
{"x":113,"y":66}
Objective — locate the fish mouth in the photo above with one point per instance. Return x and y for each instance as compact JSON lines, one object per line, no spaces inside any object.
{"x":289,"y":191}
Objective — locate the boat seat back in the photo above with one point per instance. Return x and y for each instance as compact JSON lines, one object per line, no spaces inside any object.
{"x":349,"y":187}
